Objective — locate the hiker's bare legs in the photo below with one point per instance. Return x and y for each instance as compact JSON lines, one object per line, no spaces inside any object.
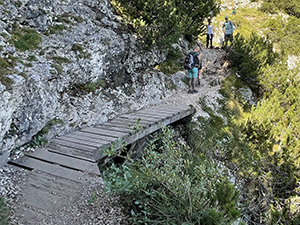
{"x":192,"y":84}
{"x":199,"y":77}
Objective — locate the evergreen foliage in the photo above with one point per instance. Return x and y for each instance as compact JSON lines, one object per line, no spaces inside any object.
{"x":4,"y":212}
{"x":264,"y":144}
{"x":25,"y":39}
{"x":285,"y":33}
{"x":291,"y":7}
{"x":249,"y":56}
{"x":163,"y":22}
{"x":172,"y":185}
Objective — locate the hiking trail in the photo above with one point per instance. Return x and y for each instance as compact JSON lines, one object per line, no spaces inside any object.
{"x":91,"y":205}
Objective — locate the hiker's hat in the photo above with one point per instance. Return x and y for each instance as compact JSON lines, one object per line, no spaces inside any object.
{"x":226,"y":17}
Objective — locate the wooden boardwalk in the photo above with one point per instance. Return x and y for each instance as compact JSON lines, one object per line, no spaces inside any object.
{"x":67,"y":164}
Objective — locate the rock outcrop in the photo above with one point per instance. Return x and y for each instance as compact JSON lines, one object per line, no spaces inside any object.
{"x":66,"y":64}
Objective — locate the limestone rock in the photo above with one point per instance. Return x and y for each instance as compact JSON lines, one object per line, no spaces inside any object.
{"x":87,"y":69}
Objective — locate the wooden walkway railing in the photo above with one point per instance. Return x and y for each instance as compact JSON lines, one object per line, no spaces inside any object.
{"x":62,"y":168}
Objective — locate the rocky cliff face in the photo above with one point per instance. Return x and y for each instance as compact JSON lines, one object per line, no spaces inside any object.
{"x":65,"y":64}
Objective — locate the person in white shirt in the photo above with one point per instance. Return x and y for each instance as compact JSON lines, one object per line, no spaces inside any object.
{"x":209,"y":34}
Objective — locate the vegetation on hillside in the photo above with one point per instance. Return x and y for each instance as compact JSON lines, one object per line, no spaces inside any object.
{"x":170,"y":184}
{"x":259,"y":143}
{"x":4,"y":212}
{"x":163,"y":22}
{"x":290,"y":7}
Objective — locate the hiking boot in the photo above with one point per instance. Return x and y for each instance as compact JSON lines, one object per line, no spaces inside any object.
{"x":195,"y":91}
{"x":190,"y":92}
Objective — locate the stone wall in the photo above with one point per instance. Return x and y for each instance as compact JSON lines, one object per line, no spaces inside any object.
{"x":88,"y":68}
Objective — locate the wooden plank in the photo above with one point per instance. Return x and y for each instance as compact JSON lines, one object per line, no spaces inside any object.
{"x":28,"y":215}
{"x":71,"y":152}
{"x":171,"y":108}
{"x":103,"y":132}
{"x":53,"y":169}
{"x":113,"y":128}
{"x":158,"y":113}
{"x":133,"y":122}
{"x":51,"y":183}
{"x":66,"y":161}
{"x":79,"y":141}
{"x":151,"y":115}
{"x":136,"y":118}
{"x":143,"y":118}
{"x":40,"y":199}
{"x":161,"y":112}
{"x":119,"y":124}
{"x":95,"y":136}
{"x":87,"y":138}
{"x":73,"y":145}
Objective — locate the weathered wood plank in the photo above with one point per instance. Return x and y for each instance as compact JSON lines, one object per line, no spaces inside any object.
{"x":141,"y":118}
{"x":164,"y":112}
{"x":66,"y":161}
{"x":113,"y":128}
{"x":160,"y":113}
{"x":144,"y":117}
{"x":53,"y":169}
{"x":87,"y":138}
{"x":95,"y":136}
{"x":79,"y":141}
{"x":151,"y":115}
{"x":171,"y":108}
{"x":51,"y":183}
{"x":40,"y":199}
{"x":73,"y":145}
{"x":131,"y":122}
{"x":120,"y":124}
{"x":71,"y":152}
{"x":103,"y":132}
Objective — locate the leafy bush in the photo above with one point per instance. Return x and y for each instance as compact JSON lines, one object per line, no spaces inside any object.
{"x":26,"y":39}
{"x":291,"y":7}
{"x":163,"y":22}
{"x":172,"y":64}
{"x":4,"y":212}
{"x":249,"y":56}
{"x":172,"y":185}
{"x":284,"y":34}
{"x":264,"y":144}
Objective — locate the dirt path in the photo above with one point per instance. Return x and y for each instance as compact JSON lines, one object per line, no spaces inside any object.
{"x":214,"y":70}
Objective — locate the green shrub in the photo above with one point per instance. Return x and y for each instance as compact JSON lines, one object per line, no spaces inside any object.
{"x":172,"y":185}
{"x":291,"y":7}
{"x":92,"y":86}
{"x":5,"y":69}
{"x":4,"y":212}
{"x":58,"y":68}
{"x":55,"y":29}
{"x":249,"y":56}
{"x":164,"y":22}
{"x":26,"y":39}
{"x":60,"y":60}
{"x":173,"y":62}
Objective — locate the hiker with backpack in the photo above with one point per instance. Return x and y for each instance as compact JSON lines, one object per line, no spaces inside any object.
{"x":192,"y":63}
{"x":228,"y":29}
{"x":209,"y":33}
